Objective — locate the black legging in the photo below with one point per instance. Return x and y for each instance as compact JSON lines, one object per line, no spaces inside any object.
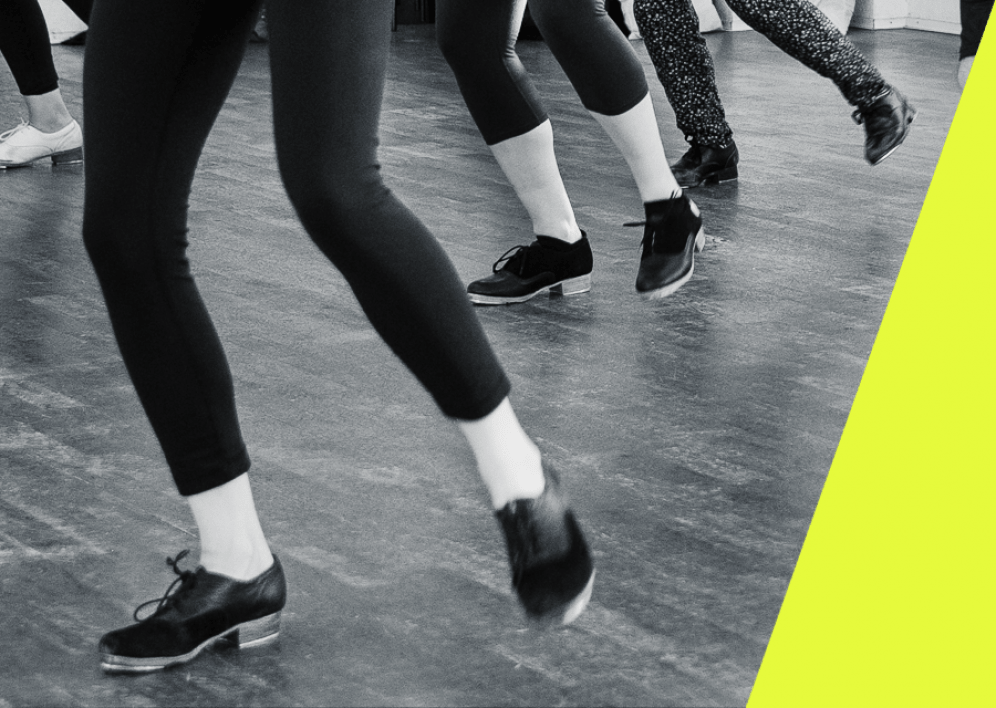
{"x":974,"y":16}
{"x":25,"y":44}
{"x":150,"y":98}
{"x":477,"y":37}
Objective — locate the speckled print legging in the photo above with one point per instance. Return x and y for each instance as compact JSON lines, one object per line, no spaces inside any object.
{"x":670,"y":30}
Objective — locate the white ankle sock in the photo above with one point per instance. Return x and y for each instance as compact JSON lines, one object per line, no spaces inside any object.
{"x":530,"y":164}
{"x":509,"y":462}
{"x":638,"y":138}
{"x":232,"y":540}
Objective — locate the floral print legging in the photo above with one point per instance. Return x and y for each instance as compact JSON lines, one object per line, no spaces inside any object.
{"x":670,"y":30}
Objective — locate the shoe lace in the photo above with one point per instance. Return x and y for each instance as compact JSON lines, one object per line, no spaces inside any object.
{"x":647,"y":242}
{"x":7,"y":134}
{"x":514,"y":260}
{"x":185,"y":578}
{"x":652,"y":230}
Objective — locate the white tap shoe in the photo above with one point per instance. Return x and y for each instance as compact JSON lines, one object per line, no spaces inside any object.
{"x":25,"y":144}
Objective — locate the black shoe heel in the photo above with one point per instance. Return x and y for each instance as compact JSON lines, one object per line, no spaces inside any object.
{"x":69,"y":157}
{"x":725,"y":175}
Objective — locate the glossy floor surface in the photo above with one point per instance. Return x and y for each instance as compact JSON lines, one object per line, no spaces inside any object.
{"x":693,"y":434}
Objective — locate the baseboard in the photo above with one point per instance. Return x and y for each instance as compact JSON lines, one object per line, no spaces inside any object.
{"x":878,"y":23}
{"x":934,"y":25}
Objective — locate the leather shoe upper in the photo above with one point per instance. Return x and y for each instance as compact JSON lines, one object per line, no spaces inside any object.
{"x":205,"y":605}
{"x":703,"y":164}
{"x":887,"y":122}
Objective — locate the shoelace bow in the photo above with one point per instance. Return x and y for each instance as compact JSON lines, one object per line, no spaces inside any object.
{"x":183,"y":576}
{"x":511,"y":255}
{"x":647,"y":242}
{"x":5,"y":135}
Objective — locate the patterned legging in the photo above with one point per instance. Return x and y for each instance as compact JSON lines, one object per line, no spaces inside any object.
{"x":670,"y":30}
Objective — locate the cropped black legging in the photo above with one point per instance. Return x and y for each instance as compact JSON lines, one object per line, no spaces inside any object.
{"x":477,"y":37}
{"x":150,"y":99}
{"x":25,"y":45}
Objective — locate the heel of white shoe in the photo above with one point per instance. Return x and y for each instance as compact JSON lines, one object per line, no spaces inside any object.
{"x":256,"y":632}
{"x":573,"y":286}
{"x":69,"y":157}
{"x":700,"y":240}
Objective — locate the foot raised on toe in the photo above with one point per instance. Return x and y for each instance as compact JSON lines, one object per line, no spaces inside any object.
{"x":552,"y":569}
{"x":672,"y":235}
{"x":205,"y":608}
{"x":546,"y":265}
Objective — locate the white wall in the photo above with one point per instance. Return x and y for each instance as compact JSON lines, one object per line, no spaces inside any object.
{"x":933,"y":15}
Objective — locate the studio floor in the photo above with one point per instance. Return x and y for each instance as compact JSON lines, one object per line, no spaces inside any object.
{"x":693,"y":434}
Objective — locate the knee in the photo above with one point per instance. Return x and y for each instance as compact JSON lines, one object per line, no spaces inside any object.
{"x":334,"y":204}
{"x":103,"y":235}
{"x":125,"y":241}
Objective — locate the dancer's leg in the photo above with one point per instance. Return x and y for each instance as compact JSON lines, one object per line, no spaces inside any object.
{"x":508,"y":460}
{"x":24,"y":43}
{"x":799,"y":29}
{"x":231,"y":537}
{"x":670,"y":30}
{"x":637,"y":136}
{"x":50,"y":130}
{"x":607,"y":75}
{"x":478,"y":41}
{"x":530,"y":164}
{"x":150,"y":102}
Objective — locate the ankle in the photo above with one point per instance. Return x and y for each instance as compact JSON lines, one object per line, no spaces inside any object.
{"x":661,"y":208}
{"x":566,"y":233}
{"x":49,"y":126}
{"x":515,"y":478}
{"x":556,"y":244}
{"x":240,"y":563}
